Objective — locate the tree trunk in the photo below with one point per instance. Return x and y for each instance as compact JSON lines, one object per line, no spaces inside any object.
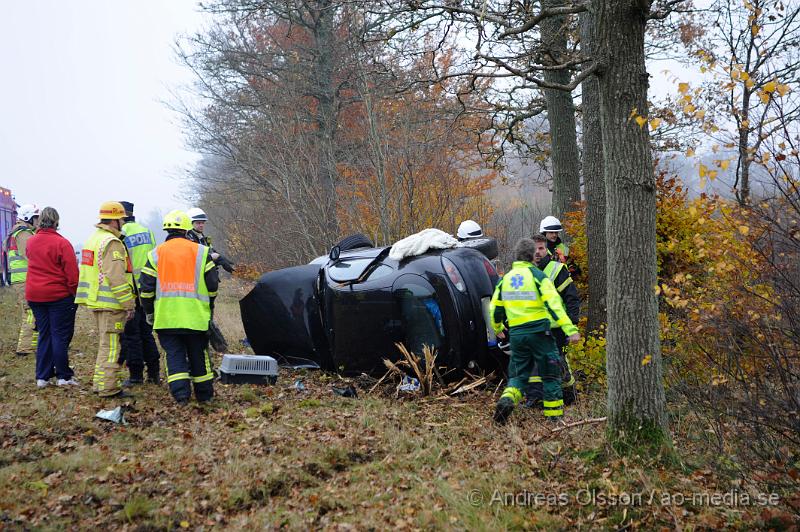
{"x":325,"y":92}
{"x":635,"y":384}
{"x":594,"y":185}
{"x":561,"y":116}
{"x":743,"y":164}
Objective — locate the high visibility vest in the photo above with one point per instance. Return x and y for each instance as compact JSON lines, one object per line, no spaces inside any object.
{"x":17,"y":263}
{"x":94,"y":290}
{"x":182,"y":297}
{"x":521,"y":296}
{"x":552,"y":270}
{"x":140,"y":241}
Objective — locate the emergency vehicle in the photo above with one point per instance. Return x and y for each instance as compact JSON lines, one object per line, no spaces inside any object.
{"x":8,"y":215}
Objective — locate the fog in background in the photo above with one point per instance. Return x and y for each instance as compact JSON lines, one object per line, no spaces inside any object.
{"x":83,"y":118}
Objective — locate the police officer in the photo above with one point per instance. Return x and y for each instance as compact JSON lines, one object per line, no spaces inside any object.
{"x":558,"y":273}
{"x":527,"y":300}
{"x":178,"y":284}
{"x":138,"y":345}
{"x":16,"y":246}
{"x":195,"y":234}
{"x":106,"y":288}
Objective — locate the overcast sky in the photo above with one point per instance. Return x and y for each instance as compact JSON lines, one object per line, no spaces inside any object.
{"x":82,"y":119}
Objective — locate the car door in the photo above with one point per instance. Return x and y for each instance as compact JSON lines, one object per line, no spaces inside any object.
{"x":359,"y":318}
{"x":420,"y":314}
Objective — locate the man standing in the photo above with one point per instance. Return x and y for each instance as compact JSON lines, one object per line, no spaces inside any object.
{"x":551,"y":228}
{"x":558,"y":273}
{"x":16,"y":248}
{"x":195,"y":234}
{"x":138,"y":345}
{"x":106,"y":287}
{"x":527,"y":300}
{"x":178,"y":285}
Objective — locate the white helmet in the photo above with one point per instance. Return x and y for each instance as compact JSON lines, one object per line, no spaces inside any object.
{"x":550,"y":224}
{"x":28,"y":212}
{"x":197,"y":215}
{"x":469,"y":229}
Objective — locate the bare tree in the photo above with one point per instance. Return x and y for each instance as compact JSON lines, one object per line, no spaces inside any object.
{"x":505,"y":38}
{"x":751,"y":51}
{"x":594,"y":183}
{"x":561,"y":110}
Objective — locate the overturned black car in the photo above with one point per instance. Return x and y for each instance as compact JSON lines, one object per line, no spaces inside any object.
{"x":345,"y":312}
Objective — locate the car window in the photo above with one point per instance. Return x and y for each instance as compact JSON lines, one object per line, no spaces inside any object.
{"x":348,"y":270}
{"x":420,"y":312}
{"x":381,"y":271}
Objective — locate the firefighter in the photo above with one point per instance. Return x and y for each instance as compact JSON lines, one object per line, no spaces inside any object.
{"x":469,"y":229}
{"x":558,"y":273}
{"x":106,"y":287}
{"x":527,"y":300}
{"x":179,"y":283}
{"x":139,"y":348}
{"x":195,"y":234}
{"x":551,"y":228}
{"x":16,"y":247}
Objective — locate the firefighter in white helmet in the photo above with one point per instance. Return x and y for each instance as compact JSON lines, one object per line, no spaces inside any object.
{"x":551,"y":228}
{"x":16,"y":249}
{"x":469,"y":229}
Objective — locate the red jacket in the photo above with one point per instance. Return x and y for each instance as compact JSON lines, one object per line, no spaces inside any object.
{"x":52,"y":267}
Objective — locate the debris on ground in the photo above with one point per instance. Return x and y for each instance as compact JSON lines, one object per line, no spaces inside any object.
{"x":115,"y":416}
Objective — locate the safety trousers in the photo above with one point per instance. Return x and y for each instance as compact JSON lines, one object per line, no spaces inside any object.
{"x":188,"y":365}
{"x":107,"y":378}
{"x":534,"y":393}
{"x":139,"y":347}
{"x":28,"y":335}
{"x":530,"y":350}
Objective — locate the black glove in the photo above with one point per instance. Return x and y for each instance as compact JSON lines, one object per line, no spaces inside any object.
{"x":226,"y":264}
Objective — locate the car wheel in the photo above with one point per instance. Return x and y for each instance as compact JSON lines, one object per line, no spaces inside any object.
{"x":357,"y":240}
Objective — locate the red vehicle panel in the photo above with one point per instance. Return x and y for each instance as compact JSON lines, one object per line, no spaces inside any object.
{"x":8,"y":215}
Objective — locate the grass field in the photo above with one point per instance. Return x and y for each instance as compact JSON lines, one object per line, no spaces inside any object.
{"x":271,"y":457}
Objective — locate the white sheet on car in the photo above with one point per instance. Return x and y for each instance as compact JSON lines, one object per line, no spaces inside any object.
{"x":419,"y":243}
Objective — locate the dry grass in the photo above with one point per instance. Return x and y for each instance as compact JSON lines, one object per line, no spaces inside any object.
{"x":272,"y":457}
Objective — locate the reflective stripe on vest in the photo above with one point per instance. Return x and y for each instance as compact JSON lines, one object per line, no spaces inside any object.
{"x":520,"y":296}
{"x":552,"y":269}
{"x":17,"y":264}
{"x":93,"y":288}
{"x":182,"y":298}
{"x":140,"y":241}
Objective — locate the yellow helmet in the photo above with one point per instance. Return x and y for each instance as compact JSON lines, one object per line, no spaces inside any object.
{"x":112,"y":210}
{"x":177,"y":220}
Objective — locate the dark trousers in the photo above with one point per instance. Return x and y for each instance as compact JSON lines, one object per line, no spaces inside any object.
{"x":55,"y":321}
{"x":188,"y":364}
{"x":139,"y":347}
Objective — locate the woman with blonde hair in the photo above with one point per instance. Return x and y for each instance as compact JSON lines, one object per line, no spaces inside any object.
{"x":50,"y":290}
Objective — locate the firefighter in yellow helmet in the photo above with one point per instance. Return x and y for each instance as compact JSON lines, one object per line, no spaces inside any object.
{"x":106,"y":288}
{"x":16,"y":247}
{"x":178,"y":283}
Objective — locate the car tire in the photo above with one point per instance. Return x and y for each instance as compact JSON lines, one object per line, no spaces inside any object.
{"x":357,"y":240}
{"x":487,"y":246}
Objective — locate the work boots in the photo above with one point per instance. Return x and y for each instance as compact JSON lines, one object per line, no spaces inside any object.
{"x":503,"y":410}
{"x":153,"y":377}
